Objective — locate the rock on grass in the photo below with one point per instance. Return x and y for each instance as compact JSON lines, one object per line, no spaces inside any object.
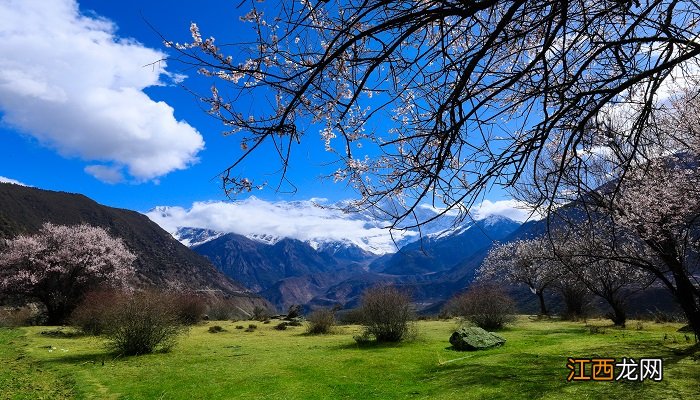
{"x":474,"y":338}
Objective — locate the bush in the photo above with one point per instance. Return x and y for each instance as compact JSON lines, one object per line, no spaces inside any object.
{"x":220,"y":309}
{"x":321,"y":321}
{"x":281,"y":326}
{"x":143,"y":323}
{"x":386,"y":314}
{"x":216,"y":329}
{"x":190,"y":307}
{"x":260,"y":313}
{"x":91,"y":314}
{"x":28,"y":314}
{"x":350,"y":317}
{"x":488,"y":307}
{"x":294,"y":311}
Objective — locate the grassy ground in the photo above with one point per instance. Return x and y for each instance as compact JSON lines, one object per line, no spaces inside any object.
{"x":287,"y":364}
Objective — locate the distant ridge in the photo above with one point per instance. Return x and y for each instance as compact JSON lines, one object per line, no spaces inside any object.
{"x":162,"y":262}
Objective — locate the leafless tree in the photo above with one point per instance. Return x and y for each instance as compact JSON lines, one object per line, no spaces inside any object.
{"x":584,"y":254}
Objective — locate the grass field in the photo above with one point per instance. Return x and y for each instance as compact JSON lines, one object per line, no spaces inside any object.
{"x":271,"y":364}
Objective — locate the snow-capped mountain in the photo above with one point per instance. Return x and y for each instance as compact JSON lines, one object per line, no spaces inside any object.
{"x":311,"y":221}
{"x":269,"y":222}
{"x":191,"y":237}
{"x":442,"y":250}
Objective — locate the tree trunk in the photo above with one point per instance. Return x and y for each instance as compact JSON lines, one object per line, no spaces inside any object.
{"x":56,"y":309}
{"x":574,"y":301}
{"x":685,"y":293}
{"x":690,"y":303}
{"x":618,"y":316}
{"x":543,"y":307}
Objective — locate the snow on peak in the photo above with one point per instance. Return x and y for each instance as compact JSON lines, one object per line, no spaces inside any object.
{"x":264,"y":238}
{"x":313,"y":221}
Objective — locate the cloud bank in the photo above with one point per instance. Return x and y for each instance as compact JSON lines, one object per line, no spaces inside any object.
{"x":513,"y":209}
{"x":10,"y":180}
{"x":302,"y":220}
{"x":69,"y":81}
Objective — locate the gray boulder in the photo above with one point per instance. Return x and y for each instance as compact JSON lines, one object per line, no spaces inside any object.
{"x":474,"y":338}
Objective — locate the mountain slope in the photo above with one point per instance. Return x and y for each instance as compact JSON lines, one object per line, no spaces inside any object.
{"x":442,"y":251}
{"x":162,"y":261}
{"x":259,"y":265}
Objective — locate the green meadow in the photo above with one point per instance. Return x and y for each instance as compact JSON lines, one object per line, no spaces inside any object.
{"x":272,"y":364}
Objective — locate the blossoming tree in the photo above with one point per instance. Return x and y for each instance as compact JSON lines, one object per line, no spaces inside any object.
{"x":522,"y":262}
{"x":59,"y":264}
{"x":643,"y":199}
{"x":436,"y":100}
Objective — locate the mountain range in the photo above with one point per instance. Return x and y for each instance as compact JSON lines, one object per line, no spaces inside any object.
{"x":324,"y":272}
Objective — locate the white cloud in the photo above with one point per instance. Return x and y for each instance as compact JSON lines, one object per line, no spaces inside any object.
{"x":105,"y":173}
{"x":13,"y":181}
{"x":69,"y":81}
{"x":307,"y":221}
{"x":513,"y":209}
{"x":302,"y":220}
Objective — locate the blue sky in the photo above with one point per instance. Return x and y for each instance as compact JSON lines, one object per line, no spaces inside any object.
{"x":47,"y":161}
{"x":86,"y":107}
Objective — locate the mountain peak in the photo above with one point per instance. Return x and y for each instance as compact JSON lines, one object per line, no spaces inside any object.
{"x":496,"y":219}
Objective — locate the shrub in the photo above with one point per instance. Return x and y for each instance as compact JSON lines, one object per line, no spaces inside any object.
{"x":281,"y":326}
{"x":488,"y":307}
{"x":660,"y":316}
{"x":190,"y":308}
{"x":294,"y":311}
{"x":91,"y":314}
{"x":321,"y":321}
{"x":143,"y":323}
{"x":239,"y":326}
{"x":19,"y":316}
{"x":216,"y":329}
{"x":386,"y":314}
{"x":25,"y":315}
{"x":350,"y":317}
{"x":260,"y":313}
{"x":220,"y":309}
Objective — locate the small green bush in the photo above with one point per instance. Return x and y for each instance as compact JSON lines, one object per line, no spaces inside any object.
{"x":281,"y":326}
{"x":216,"y":329}
{"x":321,"y":321}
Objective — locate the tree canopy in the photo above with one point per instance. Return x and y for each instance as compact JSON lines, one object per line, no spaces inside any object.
{"x":59,"y":264}
{"x":438,"y":100}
